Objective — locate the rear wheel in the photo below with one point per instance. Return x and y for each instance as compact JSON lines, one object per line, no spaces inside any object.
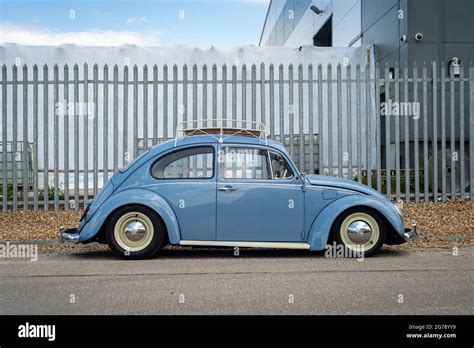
{"x":135,"y":232}
{"x":360,"y":230}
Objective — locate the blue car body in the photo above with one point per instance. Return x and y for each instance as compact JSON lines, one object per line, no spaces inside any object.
{"x":298,"y":209}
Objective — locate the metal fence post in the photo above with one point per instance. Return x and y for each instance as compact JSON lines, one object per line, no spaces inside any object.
{"x":281,"y":100}
{"x":145,"y":107}
{"x":453,"y":156}
{"x":66,"y":137}
{"x":339,"y":121}
{"x":244,"y":94}
{"x":291,"y":110}
{"x":462,"y":134}
{"x":320,"y":120}
{"x":330,"y":114}
{"x":35,"y":138}
{"x":311,"y":118}
{"x":214,"y":94}
{"x":301,"y":119}
{"x":86,"y":136}
{"x":155,"y":104}
{"x":368,"y":119}
{"x":126,"y":153}
{"x":406,"y":143}
{"x":397,"y":134}
{"x":349,"y":120}
{"x":175,"y":98}
{"x":15,"y":154}
{"x":434,"y":140}
{"x":224,"y":90}
{"x":4,"y":140}
{"x":233,"y":95}
{"x":115,"y":118}
{"x":388,"y":188}
{"x":272,"y":101}
{"x":165,"y":102}
{"x":443,"y":132}
{"x":95,"y":134}
{"x":358,"y":125}
{"x":105,"y":143}
{"x":135,"y":112}
{"x":76,"y":137}
{"x":471,"y":130}
{"x":378,"y":127}
{"x":262,"y":93}
{"x":56,"y":135}
{"x":204,"y":94}
{"x":415,"y":131}
{"x":425,"y":135}
{"x":26,"y":182}
{"x":45,"y":139}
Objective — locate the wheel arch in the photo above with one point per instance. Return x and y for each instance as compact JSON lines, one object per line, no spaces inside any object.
{"x":95,"y":227}
{"x":320,"y":231}
{"x":100,"y":236}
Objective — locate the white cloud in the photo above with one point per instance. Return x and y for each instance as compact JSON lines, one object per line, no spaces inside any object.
{"x":11,"y":33}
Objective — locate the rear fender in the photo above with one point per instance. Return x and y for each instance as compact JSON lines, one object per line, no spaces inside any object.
{"x":132,"y":196}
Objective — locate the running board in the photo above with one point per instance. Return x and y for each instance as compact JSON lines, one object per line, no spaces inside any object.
{"x":271,"y":245}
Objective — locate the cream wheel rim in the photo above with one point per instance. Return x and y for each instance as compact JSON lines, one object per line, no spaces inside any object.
{"x":360,"y":232}
{"x":133,"y":231}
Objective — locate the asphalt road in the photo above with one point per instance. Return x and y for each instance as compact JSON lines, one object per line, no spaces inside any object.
{"x":184,"y":281}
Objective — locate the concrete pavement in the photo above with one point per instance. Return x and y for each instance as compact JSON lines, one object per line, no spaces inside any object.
{"x":214,"y":281}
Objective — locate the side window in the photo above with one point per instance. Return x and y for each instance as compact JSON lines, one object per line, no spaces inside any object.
{"x":280,"y":168}
{"x":244,"y":163}
{"x":193,"y":163}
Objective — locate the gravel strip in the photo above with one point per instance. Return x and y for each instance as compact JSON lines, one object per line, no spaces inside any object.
{"x":441,"y":225}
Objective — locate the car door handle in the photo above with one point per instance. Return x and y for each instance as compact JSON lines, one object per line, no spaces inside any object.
{"x":227,"y":189}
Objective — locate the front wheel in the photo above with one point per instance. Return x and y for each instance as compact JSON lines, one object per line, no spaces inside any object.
{"x":360,"y":230}
{"x":135,"y":232}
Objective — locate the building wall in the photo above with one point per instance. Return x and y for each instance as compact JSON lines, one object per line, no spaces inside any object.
{"x":448,"y":29}
{"x":447,"y":26}
{"x":381,"y":27}
{"x":291,"y":23}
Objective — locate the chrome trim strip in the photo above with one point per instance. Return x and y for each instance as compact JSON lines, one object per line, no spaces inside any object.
{"x":272,"y":245}
{"x":240,"y":182}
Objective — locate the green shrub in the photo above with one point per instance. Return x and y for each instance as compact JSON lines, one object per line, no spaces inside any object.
{"x":393,"y":181}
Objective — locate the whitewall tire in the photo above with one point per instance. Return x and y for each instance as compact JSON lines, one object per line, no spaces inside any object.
{"x":135,"y":232}
{"x":360,"y":230}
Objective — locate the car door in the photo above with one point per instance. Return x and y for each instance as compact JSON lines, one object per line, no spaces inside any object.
{"x":254,"y":203}
{"x":186,"y":179}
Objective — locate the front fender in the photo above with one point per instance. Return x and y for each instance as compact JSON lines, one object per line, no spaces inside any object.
{"x":321,"y":226}
{"x":127,"y":197}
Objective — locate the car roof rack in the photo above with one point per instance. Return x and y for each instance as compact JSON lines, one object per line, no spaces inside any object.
{"x":220,"y":129}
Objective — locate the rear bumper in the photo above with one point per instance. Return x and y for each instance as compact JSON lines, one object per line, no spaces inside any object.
{"x":411,"y":234}
{"x":68,"y":235}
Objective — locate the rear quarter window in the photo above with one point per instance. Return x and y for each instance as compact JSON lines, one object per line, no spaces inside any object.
{"x":190,"y":163}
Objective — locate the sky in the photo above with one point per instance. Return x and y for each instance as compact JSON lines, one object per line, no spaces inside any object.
{"x":197,"y":23}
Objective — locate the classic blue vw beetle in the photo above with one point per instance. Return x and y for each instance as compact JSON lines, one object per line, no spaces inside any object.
{"x":232,"y":187}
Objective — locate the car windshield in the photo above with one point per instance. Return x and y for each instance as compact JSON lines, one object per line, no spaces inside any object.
{"x":127,"y":166}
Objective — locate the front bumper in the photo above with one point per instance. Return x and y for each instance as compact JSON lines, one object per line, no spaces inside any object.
{"x":68,"y":235}
{"x":411,"y":234}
